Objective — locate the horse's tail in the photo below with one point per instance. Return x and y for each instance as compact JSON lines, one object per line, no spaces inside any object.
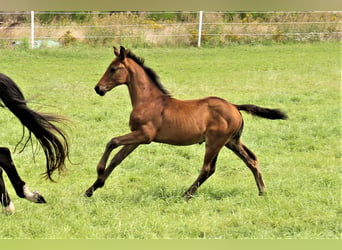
{"x":52,"y":139}
{"x":262,"y":112}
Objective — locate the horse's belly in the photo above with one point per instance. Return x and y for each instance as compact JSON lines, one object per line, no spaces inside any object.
{"x":180,"y":138}
{"x":182,"y":124}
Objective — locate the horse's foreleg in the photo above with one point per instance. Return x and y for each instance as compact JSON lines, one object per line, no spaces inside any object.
{"x":130,"y":142}
{"x":118,"y":158}
{"x":19,"y":185}
{"x":251,"y":161}
{"x":5,"y":200}
{"x":134,"y":138}
{"x":103,"y":174}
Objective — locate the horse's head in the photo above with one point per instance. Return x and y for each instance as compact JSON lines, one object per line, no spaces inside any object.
{"x":116,"y":74}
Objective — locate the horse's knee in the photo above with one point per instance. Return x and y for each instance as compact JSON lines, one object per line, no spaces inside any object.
{"x":112,"y":144}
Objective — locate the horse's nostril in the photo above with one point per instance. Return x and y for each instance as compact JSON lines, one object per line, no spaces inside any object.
{"x":98,"y":91}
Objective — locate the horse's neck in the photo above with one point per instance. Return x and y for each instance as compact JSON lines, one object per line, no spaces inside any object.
{"x":141,"y":88}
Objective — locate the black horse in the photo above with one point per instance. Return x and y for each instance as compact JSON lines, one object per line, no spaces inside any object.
{"x":52,"y":139}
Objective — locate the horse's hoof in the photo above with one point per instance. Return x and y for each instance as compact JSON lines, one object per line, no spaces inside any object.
{"x":8,"y":210}
{"x":187,"y":196}
{"x":88,"y":193}
{"x":262,"y":193}
{"x":33,"y":196}
{"x":39,"y":198}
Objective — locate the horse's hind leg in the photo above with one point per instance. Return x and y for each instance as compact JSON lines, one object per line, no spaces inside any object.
{"x":5,"y":200}
{"x":19,"y":185}
{"x":250,"y":160}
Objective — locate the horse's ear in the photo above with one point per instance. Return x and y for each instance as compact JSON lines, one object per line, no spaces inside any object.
{"x":116,"y":51}
{"x":122,"y":53}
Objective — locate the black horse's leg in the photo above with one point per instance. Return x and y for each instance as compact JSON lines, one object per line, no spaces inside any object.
{"x":103,"y":173}
{"x":5,"y":200}
{"x":19,"y":185}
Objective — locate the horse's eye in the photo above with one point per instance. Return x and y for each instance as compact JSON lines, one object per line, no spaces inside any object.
{"x":112,"y":70}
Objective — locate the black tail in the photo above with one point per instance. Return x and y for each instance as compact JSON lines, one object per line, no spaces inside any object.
{"x":52,"y":139}
{"x":262,"y":112}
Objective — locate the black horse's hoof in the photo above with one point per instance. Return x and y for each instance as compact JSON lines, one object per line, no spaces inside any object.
{"x":187,"y":196}
{"x":263,"y":193}
{"x":88,"y":193}
{"x":39,"y":199}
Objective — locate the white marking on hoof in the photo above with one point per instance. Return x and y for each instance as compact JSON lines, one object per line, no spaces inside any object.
{"x":29,"y":195}
{"x":9,"y":209}
{"x":33,"y":196}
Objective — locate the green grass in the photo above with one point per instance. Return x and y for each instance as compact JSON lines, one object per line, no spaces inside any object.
{"x":300,"y":158}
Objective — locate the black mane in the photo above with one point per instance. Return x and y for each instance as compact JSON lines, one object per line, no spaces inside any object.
{"x":150,"y":72}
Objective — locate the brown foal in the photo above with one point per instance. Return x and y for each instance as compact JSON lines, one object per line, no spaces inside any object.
{"x":157,"y":117}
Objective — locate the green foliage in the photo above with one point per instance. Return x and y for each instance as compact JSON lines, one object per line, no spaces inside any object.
{"x":165,"y":16}
{"x":300,"y":158}
{"x":67,"y":39}
{"x":52,"y":17}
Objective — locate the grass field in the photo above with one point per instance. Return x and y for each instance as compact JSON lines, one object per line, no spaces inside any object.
{"x":300,"y":158}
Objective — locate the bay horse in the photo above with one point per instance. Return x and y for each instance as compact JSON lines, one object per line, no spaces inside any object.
{"x":158,"y":117}
{"x":52,"y":139}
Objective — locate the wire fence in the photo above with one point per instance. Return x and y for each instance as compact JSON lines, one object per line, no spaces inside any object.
{"x":37,"y":29}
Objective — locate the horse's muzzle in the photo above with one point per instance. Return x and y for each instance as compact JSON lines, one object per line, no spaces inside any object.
{"x":99,"y":91}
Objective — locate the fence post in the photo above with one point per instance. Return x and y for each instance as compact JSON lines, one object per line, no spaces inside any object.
{"x":200,"y":28}
{"x":32,"y":29}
